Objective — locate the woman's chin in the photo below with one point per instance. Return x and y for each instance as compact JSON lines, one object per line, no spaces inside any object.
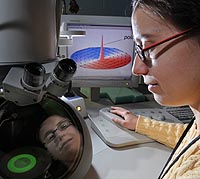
{"x":160,"y":99}
{"x":164,"y":100}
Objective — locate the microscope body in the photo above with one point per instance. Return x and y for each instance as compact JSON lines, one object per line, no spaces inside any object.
{"x":33,"y":82}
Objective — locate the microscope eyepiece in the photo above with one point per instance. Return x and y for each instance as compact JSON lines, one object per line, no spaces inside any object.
{"x":65,"y":69}
{"x":34,"y":74}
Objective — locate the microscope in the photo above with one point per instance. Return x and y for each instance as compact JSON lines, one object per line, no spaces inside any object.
{"x":33,"y":85}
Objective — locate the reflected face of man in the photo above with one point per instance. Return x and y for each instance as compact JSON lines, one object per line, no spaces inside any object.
{"x":61,"y":138}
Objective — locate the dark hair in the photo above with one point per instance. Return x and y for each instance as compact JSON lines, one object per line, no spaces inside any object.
{"x":182,"y":13}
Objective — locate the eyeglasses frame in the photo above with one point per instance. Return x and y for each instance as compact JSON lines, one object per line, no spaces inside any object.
{"x":141,"y":51}
{"x":57,"y":128}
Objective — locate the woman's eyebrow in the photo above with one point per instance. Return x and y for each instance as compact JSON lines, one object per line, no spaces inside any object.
{"x":147,"y":35}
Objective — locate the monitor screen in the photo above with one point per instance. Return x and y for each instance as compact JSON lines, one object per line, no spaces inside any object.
{"x":104,"y":56}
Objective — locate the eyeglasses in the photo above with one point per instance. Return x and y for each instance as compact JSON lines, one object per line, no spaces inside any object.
{"x":50,"y":136}
{"x":144,"y":53}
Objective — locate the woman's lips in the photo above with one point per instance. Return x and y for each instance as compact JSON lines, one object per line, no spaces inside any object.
{"x":64,"y":144}
{"x":153,"y":87}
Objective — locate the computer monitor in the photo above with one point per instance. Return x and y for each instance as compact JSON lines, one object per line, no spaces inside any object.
{"x":105,"y":55}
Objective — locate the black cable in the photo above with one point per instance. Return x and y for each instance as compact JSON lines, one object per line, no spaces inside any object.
{"x":177,"y":145}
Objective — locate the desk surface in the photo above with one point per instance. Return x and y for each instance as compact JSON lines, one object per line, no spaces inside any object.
{"x":143,"y":161}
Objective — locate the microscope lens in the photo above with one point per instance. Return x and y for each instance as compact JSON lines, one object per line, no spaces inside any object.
{"x":34,"y":74}
{"x":65,"y":69}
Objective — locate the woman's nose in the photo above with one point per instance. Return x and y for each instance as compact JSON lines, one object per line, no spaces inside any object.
{"x":139,"y":67}
{"x":58,"y":136}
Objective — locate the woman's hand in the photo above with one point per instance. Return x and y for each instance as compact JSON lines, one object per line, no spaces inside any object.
{"x":130,"y":120}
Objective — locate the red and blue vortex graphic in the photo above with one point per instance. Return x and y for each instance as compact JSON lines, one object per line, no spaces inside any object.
{"x":101,"y":57}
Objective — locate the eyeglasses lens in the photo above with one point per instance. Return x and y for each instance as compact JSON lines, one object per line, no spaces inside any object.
{"x":62,"y":126}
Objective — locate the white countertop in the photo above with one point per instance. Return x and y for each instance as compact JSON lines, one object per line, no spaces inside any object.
{"x":144,"y":161}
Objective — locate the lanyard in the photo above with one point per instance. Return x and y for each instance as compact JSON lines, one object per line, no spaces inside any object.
{"x":162,"y":174}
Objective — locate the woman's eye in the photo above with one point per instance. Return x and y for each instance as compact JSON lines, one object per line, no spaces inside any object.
{"x":151,"y":49}
{"x":50,"y":137}
{"x":146,"y":44}
{"x":63,"y":125}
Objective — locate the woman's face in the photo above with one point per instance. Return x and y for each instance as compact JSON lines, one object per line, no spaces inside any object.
{"x":173,"y":73}
{"x":61,"y":138}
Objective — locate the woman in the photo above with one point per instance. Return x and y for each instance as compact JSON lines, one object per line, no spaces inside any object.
{"x":167,"y":37}
{"x":61,"y":138}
